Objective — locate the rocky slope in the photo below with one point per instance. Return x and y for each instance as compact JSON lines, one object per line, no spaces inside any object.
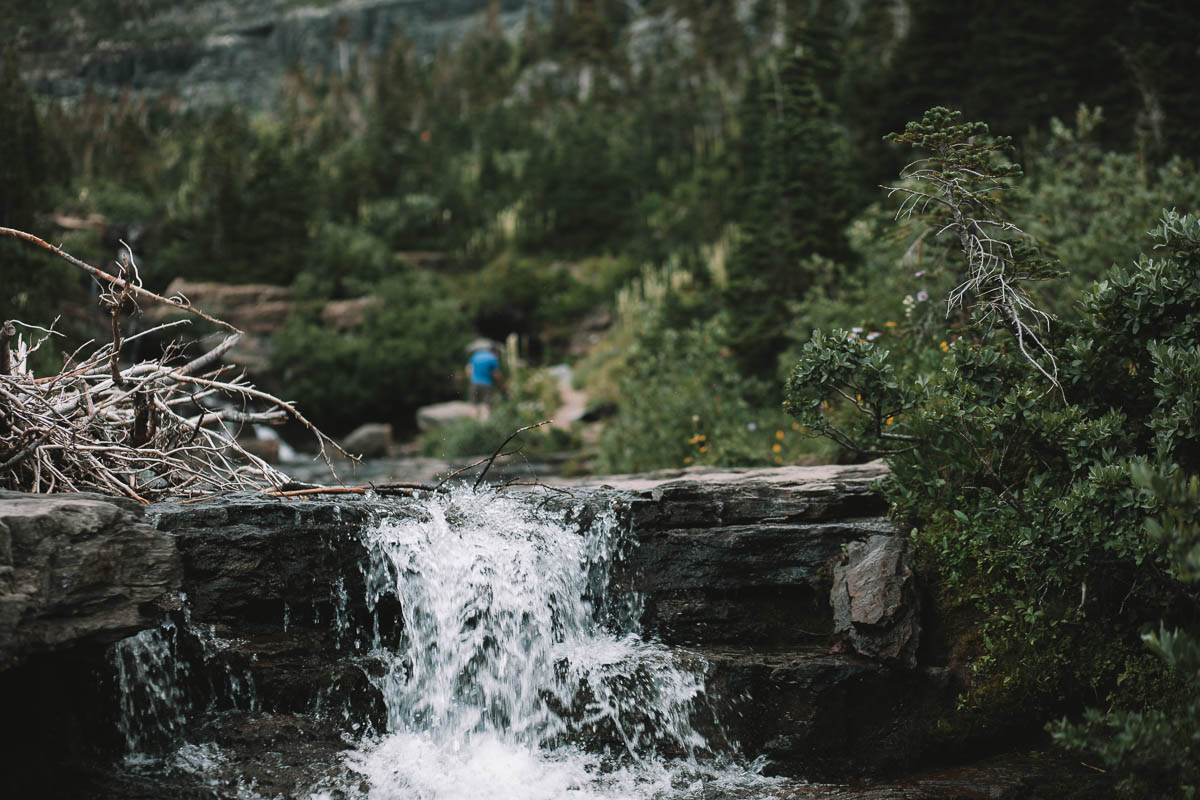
{"x":236,"y":51}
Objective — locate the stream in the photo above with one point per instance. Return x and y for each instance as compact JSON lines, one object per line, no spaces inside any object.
{"x":515,"y":673}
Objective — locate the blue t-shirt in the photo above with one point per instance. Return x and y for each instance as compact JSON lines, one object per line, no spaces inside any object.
{"x":483,"y":364}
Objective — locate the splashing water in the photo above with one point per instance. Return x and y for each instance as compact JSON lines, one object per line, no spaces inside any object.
{"x":516,"y":675}
{"x":150,"y":679}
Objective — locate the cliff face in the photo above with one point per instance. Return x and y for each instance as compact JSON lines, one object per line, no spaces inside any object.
{"x":217,"y":51}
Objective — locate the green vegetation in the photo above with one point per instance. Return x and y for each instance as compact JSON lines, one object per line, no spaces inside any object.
{"x":530,"y":397}
{"x":1155,"y":750}
{"x":1012,"y":443}
{"x":703,"y":174}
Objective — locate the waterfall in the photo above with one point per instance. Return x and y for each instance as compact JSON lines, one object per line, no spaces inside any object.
{"x":516,"y":673}
{"x":508,"y":665}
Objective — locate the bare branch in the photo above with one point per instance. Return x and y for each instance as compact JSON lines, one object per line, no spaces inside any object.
{"x":97,"y":427}
{"x":113,"y":281}
{"x":496,"y":454}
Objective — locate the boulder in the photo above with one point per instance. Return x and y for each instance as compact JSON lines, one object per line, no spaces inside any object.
{"x":344,"y":315}
{"x":372,"y":440}
{"x":876,"y":602}
{"x":79,"y":569}
{"x":266,"y":449}
{"x":441,"y":414}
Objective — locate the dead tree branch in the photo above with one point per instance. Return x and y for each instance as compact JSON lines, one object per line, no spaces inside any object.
{"x":97,"y":427}
{"x":499,"y":449}
{"x":114,"y":282}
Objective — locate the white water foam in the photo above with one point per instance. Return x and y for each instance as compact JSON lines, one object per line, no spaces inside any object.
{"x":517,"y":677}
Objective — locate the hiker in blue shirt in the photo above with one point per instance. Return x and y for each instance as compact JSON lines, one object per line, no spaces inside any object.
{"x":483,"y":372}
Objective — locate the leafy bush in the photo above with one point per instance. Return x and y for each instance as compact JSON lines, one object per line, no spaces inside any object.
{"x":406,"y":354}
{"x":1019,"y":484}
{"x":1157,"y":752}
{"x":344,"y":262}
{"x":680,"y":402}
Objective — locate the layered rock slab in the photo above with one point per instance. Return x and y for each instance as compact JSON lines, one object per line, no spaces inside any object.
{"x":79,"y":570}
{"x":742,"y":556}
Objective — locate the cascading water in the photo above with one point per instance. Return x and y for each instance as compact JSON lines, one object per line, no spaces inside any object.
{"x":516,"y":675}
{"x":507,"y":665}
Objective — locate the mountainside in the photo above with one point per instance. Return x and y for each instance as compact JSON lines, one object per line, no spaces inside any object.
{"x":238,"y":51}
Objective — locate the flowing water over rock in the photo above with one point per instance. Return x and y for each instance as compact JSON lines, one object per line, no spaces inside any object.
{"x":517,"y":675}
{"x":514,"y":672}
{"x":662,"y":637}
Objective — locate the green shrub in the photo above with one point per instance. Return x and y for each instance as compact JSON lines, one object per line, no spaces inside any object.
{"x":1156,"y":752}
{"x":344,"y":261}
{"x":406,"y":354}
{"x":681,"y":402}
{"x":1013,"y":462}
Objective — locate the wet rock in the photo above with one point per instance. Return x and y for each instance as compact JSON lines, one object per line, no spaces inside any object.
{"x":79,"y":570}
{"x":372,"y":440}
{"x":826,"y":716}
{"x":876,"y":601}
{"x":740,"y":556}
{"x":248,"y":561}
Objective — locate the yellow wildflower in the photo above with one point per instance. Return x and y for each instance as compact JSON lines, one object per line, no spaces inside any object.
{"x":795,"y":426}
{"x":890,"y":420}
{"x":778,"y":434}
{"x":687,"y":460}
{"x":944,"y":346}
{"x":775,"y":448}
{"x":890,"y":324}
{"x":703,"y":448}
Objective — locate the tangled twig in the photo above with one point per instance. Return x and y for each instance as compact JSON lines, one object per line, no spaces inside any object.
{"x":151,"y":431}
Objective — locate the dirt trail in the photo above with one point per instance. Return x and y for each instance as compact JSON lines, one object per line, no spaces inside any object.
{"x":574,"y":401}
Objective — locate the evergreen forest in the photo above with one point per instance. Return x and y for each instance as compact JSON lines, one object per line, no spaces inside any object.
{"x":964,"y":238}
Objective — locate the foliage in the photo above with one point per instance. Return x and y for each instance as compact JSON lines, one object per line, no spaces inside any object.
{"x":344,"y":262}
{"x":795,"y":163}
{"x":1156,"y":751}
{"x":680,"y":398}
{"x":1087,"y":204}
{"x":1021,"y":495}
{"x":406,"y":353}
{"x":31,"y":280}
{"x":531,"y":397}
{"x":608,"y":133}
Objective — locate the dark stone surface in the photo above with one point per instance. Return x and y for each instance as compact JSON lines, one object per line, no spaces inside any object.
{"x":246,"y":559}
{"x":876,"y":600}
{"x":741,"y":556}
{"x":79,"y":570}
{"x":822,"y":715}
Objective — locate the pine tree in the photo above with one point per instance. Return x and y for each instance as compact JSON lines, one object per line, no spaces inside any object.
{"x":32,"y":282}
{"x":798,"y":198}
{"x":23,"y":153}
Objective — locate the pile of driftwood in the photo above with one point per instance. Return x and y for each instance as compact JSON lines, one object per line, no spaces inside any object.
{"x":166,"y":428}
